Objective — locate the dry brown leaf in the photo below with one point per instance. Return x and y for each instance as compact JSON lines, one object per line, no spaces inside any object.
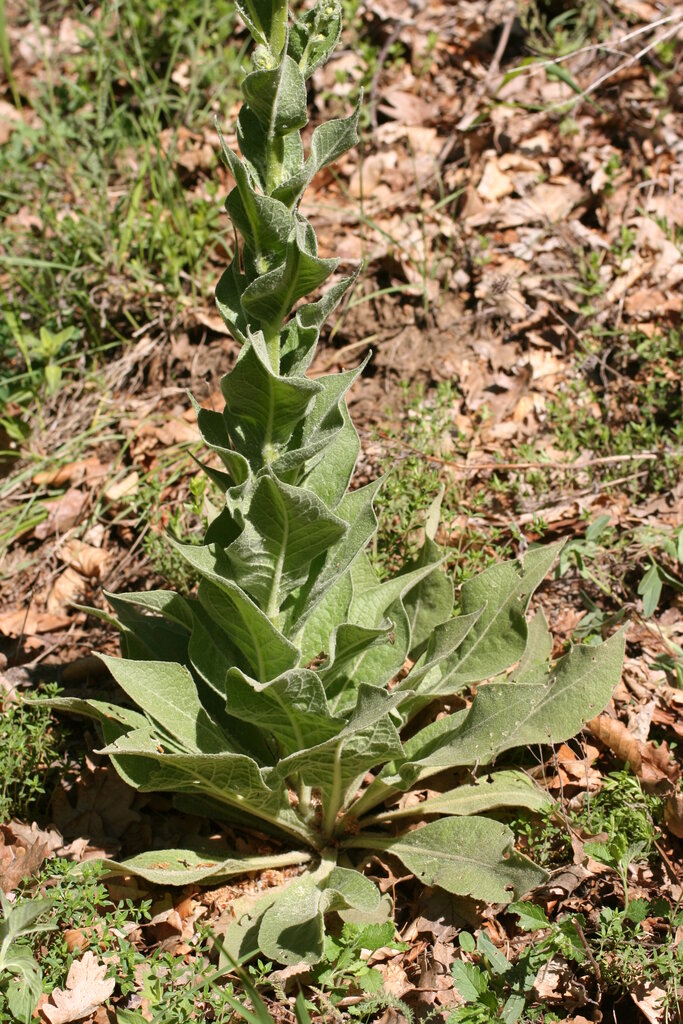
{"x":407,"y":108}
{"x":652,"y":764}
{"x":64,"y":513}
{"x":651,"y":1001}
{"x":18,"y":622}
{"x":658,"y":764}
{"x":86,"y":990}
{"x":23,"y":849}
{"x":86,"y":559}
{"x":126,"y":487}
{"x":396,"y":981}
{"x":177,"y":430}
{"x":494,"y":184}
{"x":673,"y":814}
{"x":78,"y":470}
{"x":616,"y":736}
{"x":68,"y":587}
{"x":209,"y":319}
{"x":556,"y":983}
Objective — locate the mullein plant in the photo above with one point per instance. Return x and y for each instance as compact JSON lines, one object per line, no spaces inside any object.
{"x":290,"y":695}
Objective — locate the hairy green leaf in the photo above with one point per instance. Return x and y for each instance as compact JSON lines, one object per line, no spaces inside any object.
{"x":468,"y":856}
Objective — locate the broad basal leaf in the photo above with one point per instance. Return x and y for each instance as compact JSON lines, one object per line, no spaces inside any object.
{"x":292,"y":929}
{"x":199,"y":863}
{"x":233,"y":779}
{"x":516,"y":713}
{"x":513,"y":714}
{"x":149,"y":636}
{"x":469,"y":856}
{"x":502,"y":789}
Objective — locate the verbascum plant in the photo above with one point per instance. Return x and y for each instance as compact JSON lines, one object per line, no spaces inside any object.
{"x":291,"y":694}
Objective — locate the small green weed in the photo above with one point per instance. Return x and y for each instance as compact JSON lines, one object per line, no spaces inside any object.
{"x":79,"y":902}
{"x":344,"y":969}
{"x":624,"y":405}
{"x":20,"y":976}
{"x":544,"y":835}
{"x":624,"y":811}
{"x":553,"y":33}
{"x":494,"y":987}
{"x":30,"y":755}
{"x":614,"y":948}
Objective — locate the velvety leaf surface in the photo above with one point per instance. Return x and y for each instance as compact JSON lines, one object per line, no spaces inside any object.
{"x":469,"y":856}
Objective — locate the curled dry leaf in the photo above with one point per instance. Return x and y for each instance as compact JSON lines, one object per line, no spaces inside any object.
{"x":123,"y":488}
{"x":28,"y":622}
{"x":651,"y":1001}
{"x":86,"y":559}
{"x":673,"y":814}
{"x":616,"y":736}
{"x":652,"y":764}
{"x":68,"y":587}
{"x":86,"y":990}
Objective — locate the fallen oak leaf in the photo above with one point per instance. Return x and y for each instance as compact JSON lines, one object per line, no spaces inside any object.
{"x":673,"y":814}
{"x":22,"y":851}
{"x":20,"y":622}
{"x":66,"y":589}
{"x":86,"y":990}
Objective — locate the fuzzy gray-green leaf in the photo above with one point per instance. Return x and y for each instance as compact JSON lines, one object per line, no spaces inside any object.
{"x":277,"y":97}
{"x":189,"y":865}
{"x":499,"y":636}
{"x":286,"y":528}
{"x":468,"y":856}
{"x":292,"y":707}
{"x":502,"y":789}
{"x":262,"y":409}
{"x":168,"y":694}
{"x":270,"y":297}
{"x":266,"y":20}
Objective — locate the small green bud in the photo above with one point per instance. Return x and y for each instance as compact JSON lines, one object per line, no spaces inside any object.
{"x":262,"y":59}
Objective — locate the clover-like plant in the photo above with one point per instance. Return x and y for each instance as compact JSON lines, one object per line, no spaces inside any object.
{"x":290,"y":695}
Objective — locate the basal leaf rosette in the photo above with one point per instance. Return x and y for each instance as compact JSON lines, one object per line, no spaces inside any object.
{"x":276,"y":697}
